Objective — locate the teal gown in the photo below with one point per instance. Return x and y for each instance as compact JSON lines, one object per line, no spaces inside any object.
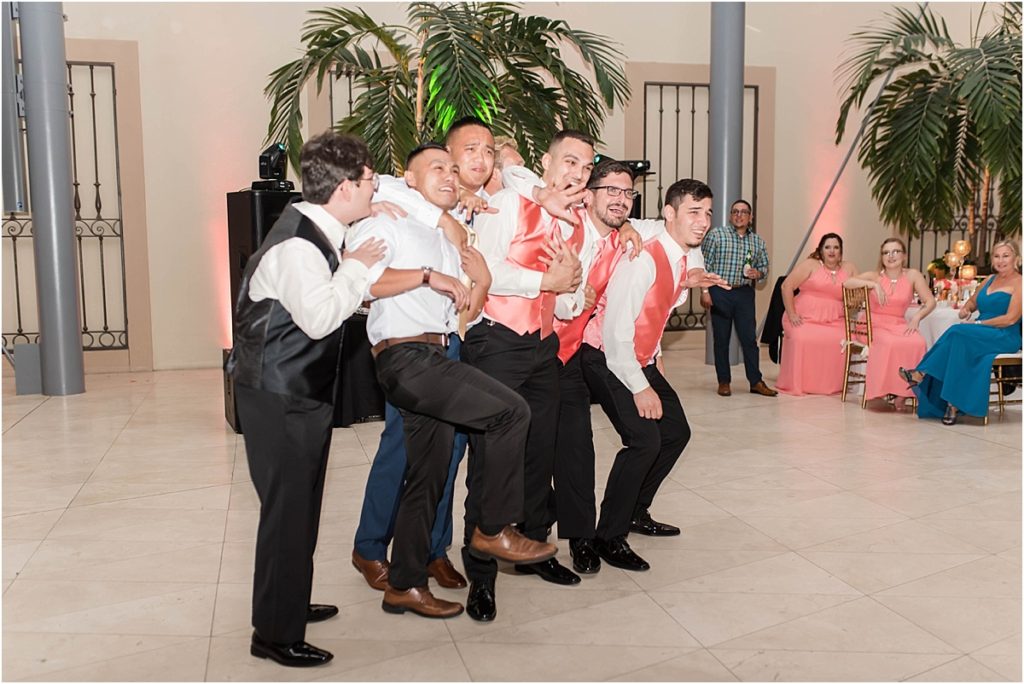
{"x":958,"y":368}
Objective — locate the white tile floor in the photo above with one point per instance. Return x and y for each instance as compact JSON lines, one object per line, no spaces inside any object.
{"x":820,"y":542}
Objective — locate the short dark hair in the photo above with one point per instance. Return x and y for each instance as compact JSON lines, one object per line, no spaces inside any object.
{"x":816,"y":254}
{"x":462,"y":123}
{"x":606,"y":168}
{"x":329,"y":159}
{"x":744,"y":202}
{"x":420,"y":149}
{"x":678,"y":191}
{"x":570,"y":133}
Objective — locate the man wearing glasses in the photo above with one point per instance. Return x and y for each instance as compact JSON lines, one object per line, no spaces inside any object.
{"x":296,"y":291}
{"x":739,"y":256}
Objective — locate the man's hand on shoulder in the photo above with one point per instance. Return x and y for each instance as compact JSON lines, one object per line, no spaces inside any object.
{"x":630,"y":241}
{"x":368,"y":253}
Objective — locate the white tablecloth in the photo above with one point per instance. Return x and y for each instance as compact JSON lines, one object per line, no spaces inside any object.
{"x":937,"y":322}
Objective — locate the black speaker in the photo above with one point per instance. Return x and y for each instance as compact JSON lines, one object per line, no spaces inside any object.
{"x":251,"y":215}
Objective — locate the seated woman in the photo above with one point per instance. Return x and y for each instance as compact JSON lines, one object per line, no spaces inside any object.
{"x":896,"y":343}
{"x":953,"y":377}
{"x":812,"y":352}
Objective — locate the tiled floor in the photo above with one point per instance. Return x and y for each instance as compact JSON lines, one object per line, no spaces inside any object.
{"x":820,"y":542}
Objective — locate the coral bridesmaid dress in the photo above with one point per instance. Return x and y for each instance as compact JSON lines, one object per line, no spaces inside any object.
{"x":812,"y":353}
{"x":890,"y":348}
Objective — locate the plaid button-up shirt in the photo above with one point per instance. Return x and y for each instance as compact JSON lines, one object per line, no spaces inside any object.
{"x":725,"y":253}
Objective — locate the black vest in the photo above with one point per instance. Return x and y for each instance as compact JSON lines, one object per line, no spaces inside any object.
{"x":270,"y":352}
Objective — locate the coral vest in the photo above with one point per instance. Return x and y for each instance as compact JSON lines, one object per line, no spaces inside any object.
{"x":658,"y":303}
{"x":522,"y":314}
{"x":656,"y":308}
{"x":570,"y":333}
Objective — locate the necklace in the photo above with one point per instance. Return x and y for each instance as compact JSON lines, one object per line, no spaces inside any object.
{"x":893,"y":281}
{"x":831,"y":271}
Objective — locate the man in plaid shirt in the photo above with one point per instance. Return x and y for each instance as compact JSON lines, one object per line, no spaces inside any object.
{"x":739,"y":256}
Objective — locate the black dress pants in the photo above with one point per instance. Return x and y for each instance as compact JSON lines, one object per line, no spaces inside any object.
{"x":729,"y":307}
{"x":573,"y":502}
{"x":434,"y":394}
{"x":528,"y":365}
{"x":287,"y":440}
{"x":650,"y":447}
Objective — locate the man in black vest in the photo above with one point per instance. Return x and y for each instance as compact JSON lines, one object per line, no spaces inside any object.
{"x":296,"y":291}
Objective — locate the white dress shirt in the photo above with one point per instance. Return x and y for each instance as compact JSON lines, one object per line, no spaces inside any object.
{"x":295,"y":273}
{"x":410,"y":244}
{"x":627,"y":289}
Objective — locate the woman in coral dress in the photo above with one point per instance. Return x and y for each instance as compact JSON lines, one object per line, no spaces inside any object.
{"x":896,"y":342}
{"x":812,"y":351}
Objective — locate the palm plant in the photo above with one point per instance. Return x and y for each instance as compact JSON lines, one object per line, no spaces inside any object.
{"x":947,"y":125}
{"x":451,"y":60}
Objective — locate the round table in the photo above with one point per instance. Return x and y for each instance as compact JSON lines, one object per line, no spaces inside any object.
{"x":937,"y":322}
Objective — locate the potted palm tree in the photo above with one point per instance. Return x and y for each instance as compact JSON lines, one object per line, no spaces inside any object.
{"x":450,"y":60}
{"x":946,"y":129}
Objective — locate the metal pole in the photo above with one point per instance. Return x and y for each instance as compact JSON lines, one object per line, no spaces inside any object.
{"x":725,"y":128}
{"x":49,"y":144}
{"x":13,"y":110}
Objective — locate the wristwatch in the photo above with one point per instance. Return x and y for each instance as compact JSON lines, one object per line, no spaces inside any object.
{"x":427,"y":270}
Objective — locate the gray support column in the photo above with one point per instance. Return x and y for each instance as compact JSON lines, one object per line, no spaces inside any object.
{"x":44,"y":66}
{"x":725,"y":128}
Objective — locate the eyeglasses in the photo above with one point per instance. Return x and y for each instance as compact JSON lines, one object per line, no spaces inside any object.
{"x":740,"y":212}
{"x":892,"y":252}
{"x":376,"y":181}
{"x":614,"y":191}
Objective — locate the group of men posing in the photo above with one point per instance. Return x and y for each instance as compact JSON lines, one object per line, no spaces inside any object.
{"x":496,"y":317}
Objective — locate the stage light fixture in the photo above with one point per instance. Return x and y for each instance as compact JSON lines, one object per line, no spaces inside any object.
{"x":273,"y":169}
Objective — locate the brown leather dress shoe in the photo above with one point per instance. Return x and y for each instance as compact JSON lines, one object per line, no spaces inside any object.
{"x":445,"y":574}
{"x":374,"y":572}
{"x":420,"y":601}
{"x":763,"y":389}
{"x":509,"y":545}
{"x":723,"y":390}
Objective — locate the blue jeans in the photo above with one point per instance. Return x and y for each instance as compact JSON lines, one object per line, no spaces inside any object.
{"x":386,"y":480}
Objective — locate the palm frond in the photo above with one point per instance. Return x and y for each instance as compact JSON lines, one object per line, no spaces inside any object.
{"x":460,"y":75}
{"x":950,"y":113}
{"x":384,"y":117}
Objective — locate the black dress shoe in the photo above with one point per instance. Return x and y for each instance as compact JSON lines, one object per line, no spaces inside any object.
{"x":550,"y":571}
{"x":584,"y":558}
{"x":616,"y":552}
{"x":318,"y":612}
{"x":644,"y":524}
{"x":299,"y":654}
{"x":480,"y":604}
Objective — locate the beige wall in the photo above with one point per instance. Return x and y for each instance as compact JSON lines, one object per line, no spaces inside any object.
{"x":203,"y":68}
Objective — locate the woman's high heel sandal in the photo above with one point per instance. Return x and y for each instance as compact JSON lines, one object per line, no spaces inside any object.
{"x":908,"y":377}
{"x":951,"y":415}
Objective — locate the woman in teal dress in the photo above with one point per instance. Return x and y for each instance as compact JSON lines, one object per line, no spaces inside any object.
{"x":954,"y":376}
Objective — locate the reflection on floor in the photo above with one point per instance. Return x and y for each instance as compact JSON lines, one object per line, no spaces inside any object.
{"x":820,"y":542}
